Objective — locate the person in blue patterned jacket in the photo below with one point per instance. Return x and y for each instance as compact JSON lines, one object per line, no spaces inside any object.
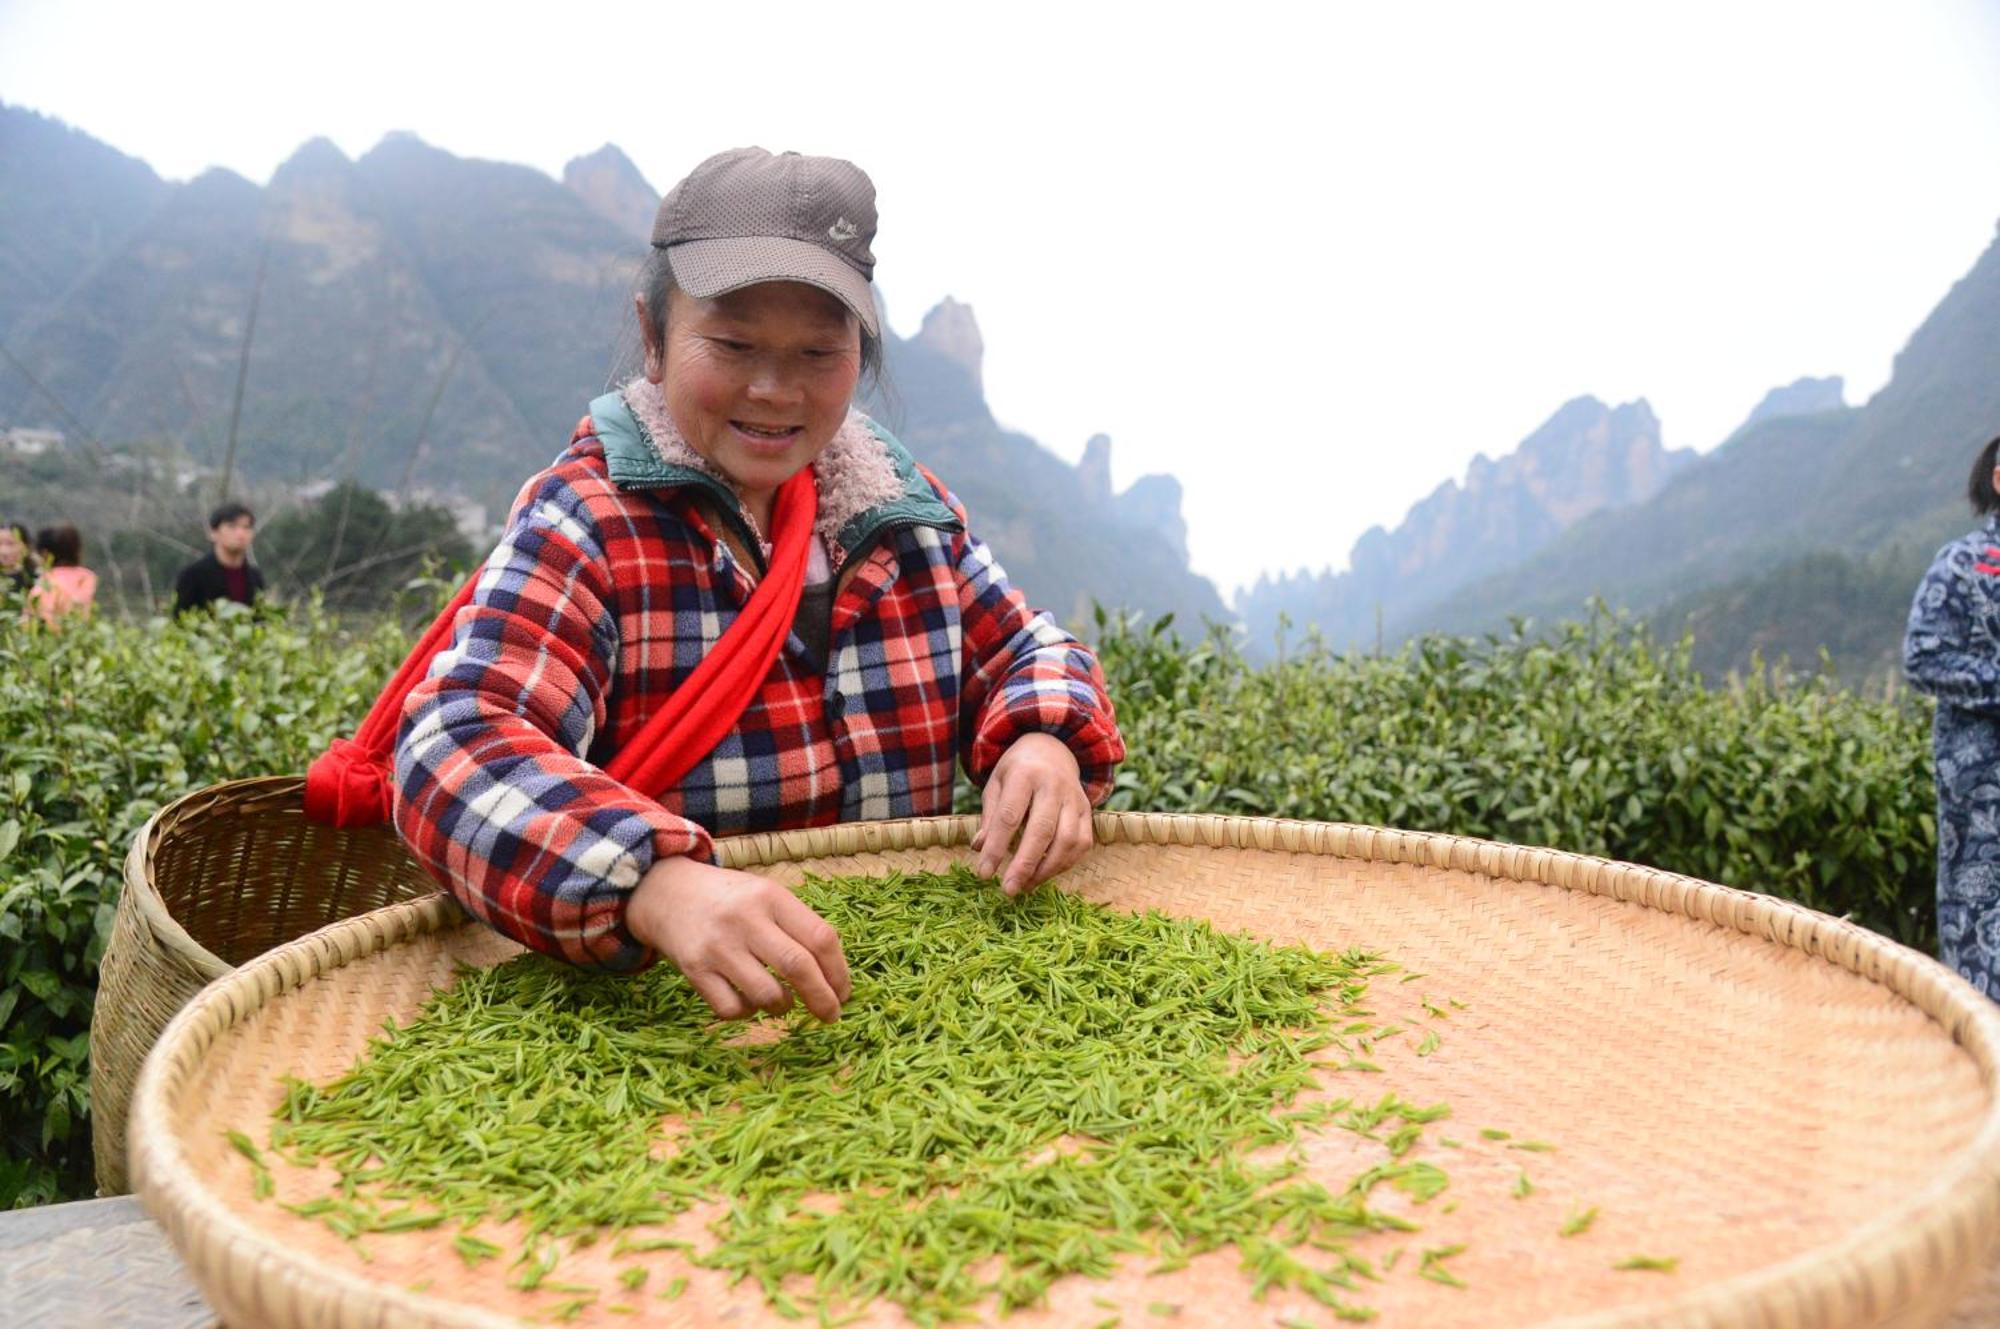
{"x":1952,"y":652}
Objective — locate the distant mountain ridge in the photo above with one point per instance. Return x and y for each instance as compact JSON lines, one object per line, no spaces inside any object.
{"x":66,"y":200}
{"x":1807,"y":528}
{"x":1712,"y":522}
{"x":1877,"y":485}
{"x":1586,"y":458}
{"x":416,"y":319}
{"x":430,"y":322}
{"x":1798,"y":532}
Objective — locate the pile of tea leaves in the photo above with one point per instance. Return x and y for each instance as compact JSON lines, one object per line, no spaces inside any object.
{"x":1018,"y":1090}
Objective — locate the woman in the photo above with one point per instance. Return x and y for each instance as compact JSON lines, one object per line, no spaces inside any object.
{"x":1952,"y":652}
{"x":627,"y":561}
{"x":17,"y":570}
{"x":65,"y":587}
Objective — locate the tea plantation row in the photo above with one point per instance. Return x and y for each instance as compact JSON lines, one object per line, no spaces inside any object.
{"x":1596,"y":740}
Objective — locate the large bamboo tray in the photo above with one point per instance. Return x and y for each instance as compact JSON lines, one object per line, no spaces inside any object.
{"x":1802,"y":1112}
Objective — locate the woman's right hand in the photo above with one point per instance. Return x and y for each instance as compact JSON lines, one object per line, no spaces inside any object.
{"x":728,"y":932}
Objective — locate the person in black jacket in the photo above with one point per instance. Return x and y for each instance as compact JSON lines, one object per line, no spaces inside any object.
{"x":225,"y":572}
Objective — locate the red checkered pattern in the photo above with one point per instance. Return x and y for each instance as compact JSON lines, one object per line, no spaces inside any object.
{"x":600,"y":600}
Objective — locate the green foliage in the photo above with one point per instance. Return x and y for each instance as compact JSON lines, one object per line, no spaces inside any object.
{"x":1594,"y":739}
{"x":356,"y":549}
{"x":1848,"y":611}
{"x":101,"y":723}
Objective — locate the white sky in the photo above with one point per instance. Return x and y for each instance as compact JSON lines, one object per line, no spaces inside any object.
{"x":1307,"y":258}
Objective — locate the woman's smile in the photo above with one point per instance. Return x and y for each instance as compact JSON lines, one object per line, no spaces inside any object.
{"x":766,"y":439}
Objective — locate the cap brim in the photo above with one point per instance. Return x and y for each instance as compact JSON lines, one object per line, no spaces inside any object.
{"x":707,"y":268}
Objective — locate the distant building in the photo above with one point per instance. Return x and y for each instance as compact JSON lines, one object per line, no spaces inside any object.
{"x":20,"y":441}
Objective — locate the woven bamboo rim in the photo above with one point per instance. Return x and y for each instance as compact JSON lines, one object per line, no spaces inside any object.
{"x":1914,"y":1255}
{"x":212,"y":879}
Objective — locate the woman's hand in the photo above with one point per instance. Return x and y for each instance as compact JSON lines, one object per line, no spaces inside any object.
{"x":727,"y":931}
{"x":1036,"y":791}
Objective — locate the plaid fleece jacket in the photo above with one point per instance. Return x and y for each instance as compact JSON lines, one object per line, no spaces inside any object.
{"x":610,"y":585}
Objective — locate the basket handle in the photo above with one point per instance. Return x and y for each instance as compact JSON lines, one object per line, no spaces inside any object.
{"x":348,"y":785}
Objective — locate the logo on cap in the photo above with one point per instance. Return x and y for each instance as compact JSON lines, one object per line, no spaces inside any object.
{"x":842,"y":231}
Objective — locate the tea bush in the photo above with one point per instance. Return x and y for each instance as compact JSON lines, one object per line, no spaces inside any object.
{"x":1596,"y":739}
{"x":101,"y":723}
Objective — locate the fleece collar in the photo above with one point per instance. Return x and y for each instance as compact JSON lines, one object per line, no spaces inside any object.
{"x":867,"y":480}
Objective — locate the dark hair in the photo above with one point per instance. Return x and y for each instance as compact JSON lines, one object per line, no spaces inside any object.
{"x":61,"y":543}
{"x":20,"y":531}
{"x":229,"y":511}
{"x":656,"y":283}
{"x":1979,"y":489}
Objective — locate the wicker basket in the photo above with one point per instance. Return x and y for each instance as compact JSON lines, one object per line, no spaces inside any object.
{"x":212,"y":880}
{"x":1801,"y":1111}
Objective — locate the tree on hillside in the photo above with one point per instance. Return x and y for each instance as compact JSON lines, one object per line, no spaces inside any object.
{"x":356,"y":549}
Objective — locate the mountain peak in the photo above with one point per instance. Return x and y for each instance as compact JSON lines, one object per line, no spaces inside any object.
{"x":1093,"y":473}
{"x":400,"y":144}
{"x":610,"y":157}
{"x":1803,"y":396}
{"x":1589,"y":456}
{"x":951,"y":330}
{"x":220,"y":182}
{"x":1578,"y":407}
{"x":316,"y":159}
{"x":1153,"y":503}
{"x":1639,"y":414}
{"x":614,"y":188}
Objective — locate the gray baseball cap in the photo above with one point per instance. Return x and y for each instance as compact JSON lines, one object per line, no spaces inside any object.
{"x":747,"y":216}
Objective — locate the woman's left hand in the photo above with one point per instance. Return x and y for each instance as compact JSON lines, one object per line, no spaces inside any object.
{"x":1035,"y":792}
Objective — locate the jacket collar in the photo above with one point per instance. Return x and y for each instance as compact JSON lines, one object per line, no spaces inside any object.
{"x":868,"y":481}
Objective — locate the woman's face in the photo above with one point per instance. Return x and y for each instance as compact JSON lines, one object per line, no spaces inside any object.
{"x":759,"y":380}
{"x":12,"y":551}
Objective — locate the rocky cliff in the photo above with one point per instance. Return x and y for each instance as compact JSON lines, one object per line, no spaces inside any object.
{"x":1585,"y":458}
{"x":950,"y":330}
{"x":1060,"y":530}
{"x":428,"y":322}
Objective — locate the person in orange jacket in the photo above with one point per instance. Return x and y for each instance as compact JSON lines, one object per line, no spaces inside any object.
{"x":65,"y":587}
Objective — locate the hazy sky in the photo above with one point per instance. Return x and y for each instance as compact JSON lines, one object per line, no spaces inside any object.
{"x":1308,"y":258}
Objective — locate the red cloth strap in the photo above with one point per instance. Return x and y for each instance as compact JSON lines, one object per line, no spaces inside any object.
{"x":348,"y":784}
{"x":715,"y":695}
